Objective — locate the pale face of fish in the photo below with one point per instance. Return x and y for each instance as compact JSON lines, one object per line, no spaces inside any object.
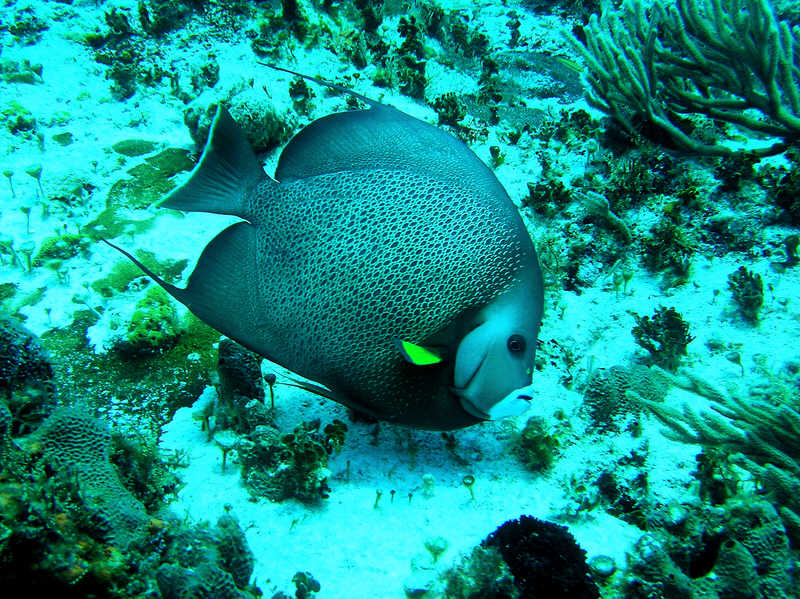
{"x":494,"y":361}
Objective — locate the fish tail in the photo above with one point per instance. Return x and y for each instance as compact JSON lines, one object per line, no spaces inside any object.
{"x":224,"y":177}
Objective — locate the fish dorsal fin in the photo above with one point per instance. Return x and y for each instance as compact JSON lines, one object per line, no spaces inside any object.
{"x":226,"y":172}
{"x":381,"y":137}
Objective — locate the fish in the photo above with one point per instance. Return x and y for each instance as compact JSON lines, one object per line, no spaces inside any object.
{"x":383,"y":262}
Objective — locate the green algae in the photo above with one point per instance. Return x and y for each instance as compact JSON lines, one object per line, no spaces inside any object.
{"x":171,"y":161}
{"x":153,"y":328}
{"x":150,"y":181}
{"x":134,"y":147}
{"x":7,"y":291}
{"x":63,"y":139}
{"x":18,"y":119}
{"x":138,"y":192}
{"x":13,"y":71}
{"x":60,"y":247}
{"x":155,"y":385}
{"x":115,"y":221}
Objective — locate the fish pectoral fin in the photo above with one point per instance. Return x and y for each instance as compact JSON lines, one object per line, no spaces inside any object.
{"x":418,"y":355}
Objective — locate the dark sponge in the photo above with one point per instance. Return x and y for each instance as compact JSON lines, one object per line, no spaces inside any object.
{"x":544,"y":559}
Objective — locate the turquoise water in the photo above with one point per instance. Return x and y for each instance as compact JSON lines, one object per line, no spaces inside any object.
{"x":146,"y":451}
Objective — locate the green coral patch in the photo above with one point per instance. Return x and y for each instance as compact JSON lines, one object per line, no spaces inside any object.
{"x":61,"y":247}
{"x":134,"y":147}
{"x":155,"y":385}
{"x":149,"y":181}
{"x":171,"y":161}
{"x":18,"y":118}
{"x":7,"y":291}
{"x":114,"y":221}
{"x":153,"y":328}
{"x":139,"y":192}
{"x":63,"y":139}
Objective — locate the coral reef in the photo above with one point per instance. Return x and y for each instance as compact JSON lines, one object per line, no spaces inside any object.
{"x":153,"y":328}
{"x":759,"y":435}
{"x":738,"y":551}
{"x":696,"y":57}
{"x":305,"y":585}
{"x":158,"y":17}
{"x":264,"y":126}
{"x":536,"y":445}
{"x":280,"y":466}
{"x":606,"y":401}
{"x":748,"y":292}
{"x":74,"y":441}
{"x":151,"y":386}
{"x":26,"y":376}
{"x":239,"y":384}
{"x":71,"y":528}
{"x":670,"y":247}
{"x":782,"y":184}
{"x":207,"y":562}
{"x":484,"y":573}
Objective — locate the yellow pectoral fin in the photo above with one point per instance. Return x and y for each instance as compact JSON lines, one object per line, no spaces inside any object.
{"x":416,"y":354}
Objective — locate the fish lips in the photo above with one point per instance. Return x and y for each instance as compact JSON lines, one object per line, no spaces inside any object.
{"x":513,"y":404}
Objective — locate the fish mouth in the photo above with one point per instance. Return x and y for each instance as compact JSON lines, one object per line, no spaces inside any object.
{"x":510,"y":405}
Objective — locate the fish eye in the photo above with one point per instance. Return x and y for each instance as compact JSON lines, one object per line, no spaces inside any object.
{"x":516,"y":344}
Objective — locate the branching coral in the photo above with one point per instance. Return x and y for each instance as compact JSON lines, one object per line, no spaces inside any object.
{"x":727,"y":60}
{"x":761,"y":434}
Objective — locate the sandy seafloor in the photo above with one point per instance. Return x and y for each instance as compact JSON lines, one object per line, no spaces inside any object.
{"x":352,"y":548}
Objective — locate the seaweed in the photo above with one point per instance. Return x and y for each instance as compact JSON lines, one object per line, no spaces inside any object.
{"x":664,"y":335}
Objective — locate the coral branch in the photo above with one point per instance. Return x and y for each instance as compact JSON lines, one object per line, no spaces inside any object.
{"x":725,"y":60}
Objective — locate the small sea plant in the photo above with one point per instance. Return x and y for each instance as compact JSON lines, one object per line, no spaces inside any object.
{"x":536,"y":445}
{"x":665,"y":335}
{"x":748,"y":292}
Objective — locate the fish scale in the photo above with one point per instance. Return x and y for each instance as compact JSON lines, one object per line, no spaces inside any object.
{"x":349,"y":332}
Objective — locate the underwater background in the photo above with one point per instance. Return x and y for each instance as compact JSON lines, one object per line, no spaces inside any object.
{"x":653,"y":154}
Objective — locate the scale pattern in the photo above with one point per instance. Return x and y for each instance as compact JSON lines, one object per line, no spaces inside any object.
{"x":353,"y":259}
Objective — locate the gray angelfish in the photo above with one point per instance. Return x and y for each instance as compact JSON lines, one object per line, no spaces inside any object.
{"x":384,"y":261}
